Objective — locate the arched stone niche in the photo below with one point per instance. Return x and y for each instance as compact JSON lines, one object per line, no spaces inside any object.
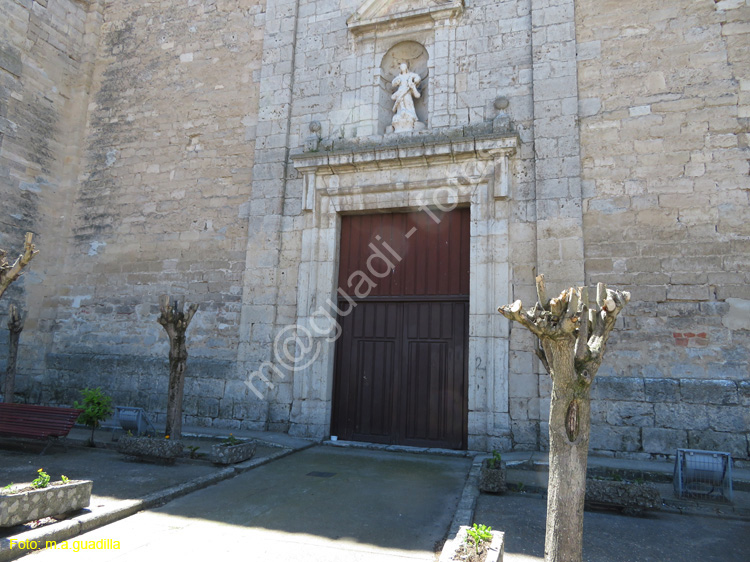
{"x":416,"y":57}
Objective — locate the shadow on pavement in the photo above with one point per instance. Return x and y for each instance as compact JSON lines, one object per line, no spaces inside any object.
{"x":612,"y":537}
{"x":391,"y":500}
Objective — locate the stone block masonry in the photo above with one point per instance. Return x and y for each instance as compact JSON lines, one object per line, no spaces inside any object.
{"x":665,"y":174}
{"x":165,"y":175}
{"x":153,"y":148}
{"x":46,"y":55}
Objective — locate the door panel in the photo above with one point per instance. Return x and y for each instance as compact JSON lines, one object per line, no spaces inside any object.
{"x":401,"y":371}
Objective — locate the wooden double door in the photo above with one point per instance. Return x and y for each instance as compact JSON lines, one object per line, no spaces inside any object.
{"x":400,"y":374}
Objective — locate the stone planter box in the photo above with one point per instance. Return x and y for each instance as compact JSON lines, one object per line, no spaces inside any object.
{"x":150,"y":449}
{"x":492,"y":479}
{"x":630,"y":497}
{"x":230,"y":454}
{"x":453,"y":549}
{"x":31,"y":505}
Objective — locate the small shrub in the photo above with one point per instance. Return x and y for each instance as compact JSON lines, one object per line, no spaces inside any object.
{"x":96,"y":407}
{"x":479,"y":534}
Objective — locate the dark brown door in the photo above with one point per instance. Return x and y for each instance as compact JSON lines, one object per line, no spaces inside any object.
{"x":401,"y":362}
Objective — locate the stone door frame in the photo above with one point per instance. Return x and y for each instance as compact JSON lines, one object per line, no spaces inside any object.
{"x":413,"y":175}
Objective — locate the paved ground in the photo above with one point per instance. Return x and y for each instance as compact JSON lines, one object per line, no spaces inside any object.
{"x":353,"y":504}
{"x":611,"y":537}
{"x":123,"y":479}
{"x":325,"y":503}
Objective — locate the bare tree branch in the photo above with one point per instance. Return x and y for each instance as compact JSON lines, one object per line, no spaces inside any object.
{"x":583,"y":325}
{"x":542,"y":357}
{"x":514,"y":312}
{"x":8,"y":272}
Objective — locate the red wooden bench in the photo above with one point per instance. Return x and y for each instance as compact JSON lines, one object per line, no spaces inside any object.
{"x":36,"y":422}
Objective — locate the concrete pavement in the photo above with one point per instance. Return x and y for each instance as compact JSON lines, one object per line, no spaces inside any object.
{"x":348,"y":501}
{"x":612,"y":537}
{"x":321,"y":504}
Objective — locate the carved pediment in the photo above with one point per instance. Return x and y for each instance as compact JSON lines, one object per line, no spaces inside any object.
{"x":388,"y":14}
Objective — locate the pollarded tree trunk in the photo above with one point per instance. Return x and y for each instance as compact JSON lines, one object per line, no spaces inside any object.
{"x":15,"y":326}
{"x":572,"y":336}
{"x":11,"y":272}
{"x":175,"y":323}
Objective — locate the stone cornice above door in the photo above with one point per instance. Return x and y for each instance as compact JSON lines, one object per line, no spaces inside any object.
{"x":407,"y":152}
{"x":376,"y":16}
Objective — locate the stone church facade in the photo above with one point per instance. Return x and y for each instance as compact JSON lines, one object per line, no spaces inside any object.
{"x":244,"y":154}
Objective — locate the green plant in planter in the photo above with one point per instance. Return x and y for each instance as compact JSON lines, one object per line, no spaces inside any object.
{"x":96,"y":407}
{"x":496,"y":460}
{"x":477,"y":536}
{"x":41,"y":481}
{"x":231,"y":440}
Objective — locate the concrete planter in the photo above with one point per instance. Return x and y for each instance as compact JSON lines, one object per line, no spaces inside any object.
{"x":31,"y":505}
{"x":630,"y":497}
{"x":492,"y":479}
{"x":230,"y":454}
{"x":454,"y":548}
{"x":150,"y":449}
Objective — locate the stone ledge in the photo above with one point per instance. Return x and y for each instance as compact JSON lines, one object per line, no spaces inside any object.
{"x":371,"y":17}
{"x":398,"y":151}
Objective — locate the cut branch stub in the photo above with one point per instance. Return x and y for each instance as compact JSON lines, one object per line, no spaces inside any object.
{"x":571,"y":316}
{"x":541,"y":291}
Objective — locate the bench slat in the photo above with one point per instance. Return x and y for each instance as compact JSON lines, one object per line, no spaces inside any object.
{"x":39,"y":422}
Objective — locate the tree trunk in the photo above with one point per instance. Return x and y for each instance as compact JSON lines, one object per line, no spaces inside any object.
{"x":572,"y":335}
{"x":175,"y":323}
{"x":177,"y":367}
{"x":569,"y":418}
{"x":15,"y":326}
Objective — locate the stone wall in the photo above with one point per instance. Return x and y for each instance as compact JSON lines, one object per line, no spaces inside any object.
{"x":46,"y":53}
{"x":335,"y":79}
{"x":148,"y":145}
{"x":161,"y":206}
{"x":664,"y":142}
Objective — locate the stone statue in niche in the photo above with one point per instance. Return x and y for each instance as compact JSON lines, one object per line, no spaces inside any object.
{"x":405,"y":116}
